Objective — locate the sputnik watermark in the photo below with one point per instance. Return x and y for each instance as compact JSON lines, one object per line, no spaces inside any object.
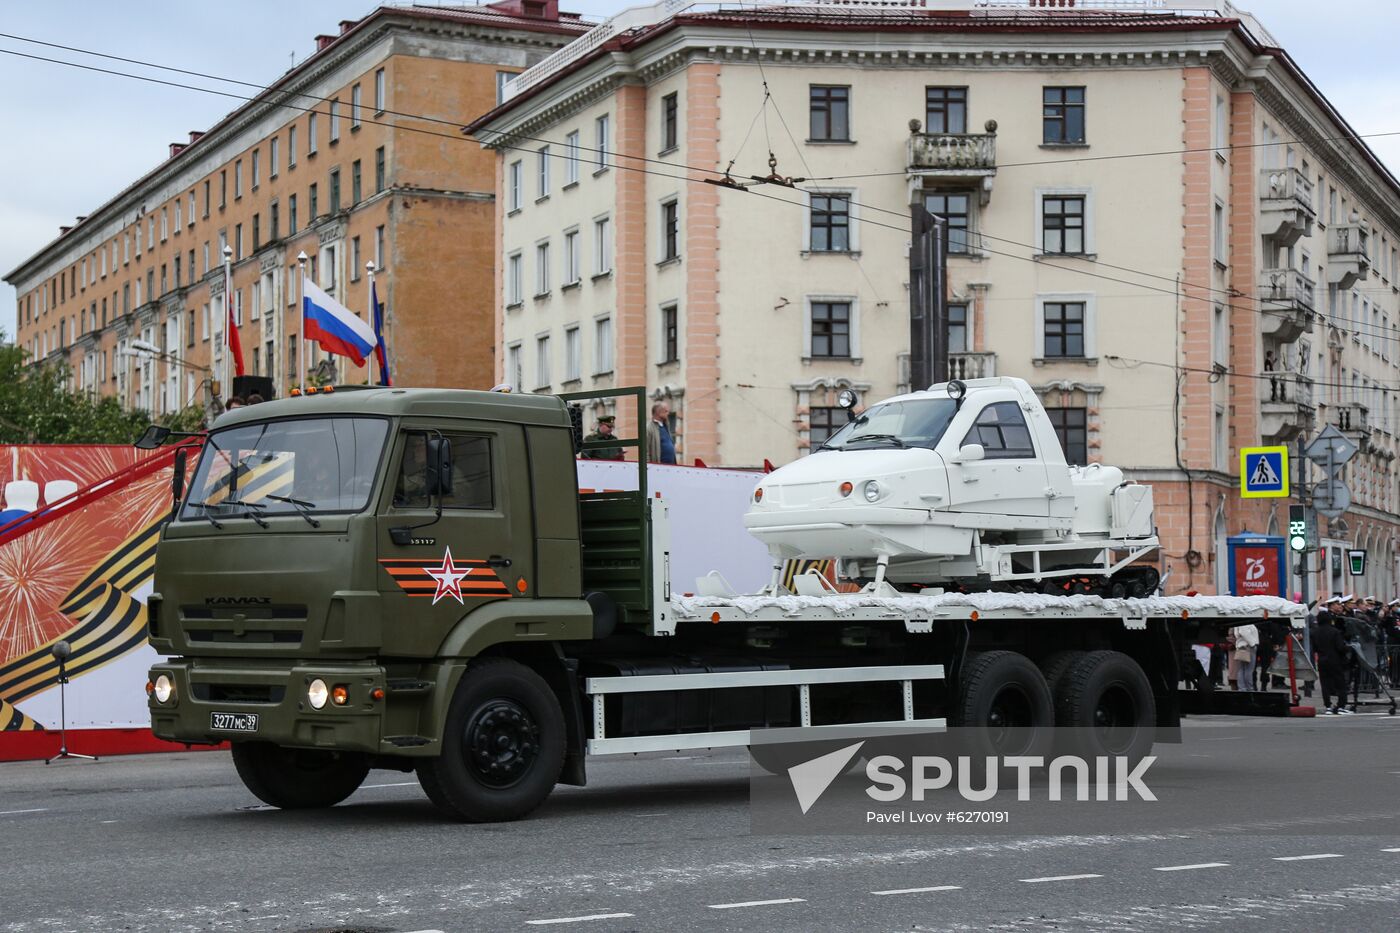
{"x":892,"y":779}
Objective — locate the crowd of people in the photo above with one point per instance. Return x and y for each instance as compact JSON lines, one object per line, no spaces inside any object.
{"x":1352,"y":637}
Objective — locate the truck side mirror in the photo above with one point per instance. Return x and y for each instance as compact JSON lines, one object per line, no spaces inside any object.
{"x":970,"y":453}
{"x":439,"y":466}
{"x":152,"y":437}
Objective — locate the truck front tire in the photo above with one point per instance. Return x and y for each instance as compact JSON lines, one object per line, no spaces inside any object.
{"x":1106,"y":701}
{"x":502,"y":745}
{"x":1005,"y":707}
{"x":298,"y":778}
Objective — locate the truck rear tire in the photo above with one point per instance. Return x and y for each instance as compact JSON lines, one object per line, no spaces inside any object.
{"x":1106,"y":699}
{"x":502,"y":745}
{"x":1005,"y":707}
{"x":298,"y":778}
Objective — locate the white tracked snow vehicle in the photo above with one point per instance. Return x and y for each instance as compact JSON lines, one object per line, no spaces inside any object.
{"x":963,"y":487}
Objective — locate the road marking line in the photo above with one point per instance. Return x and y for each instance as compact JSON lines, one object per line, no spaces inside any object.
{"x":401,"y":784}
{"x":105,"y":822}
{"x":941,"y":887}
{"x":1305,"y":858}
{"x":1058,"y":878}
{"x":13,"y":812}
{"x":1390,"y":850}
{"x":1191,"y":867}
{"x":540,"y":923}
{"x":776,"y":900}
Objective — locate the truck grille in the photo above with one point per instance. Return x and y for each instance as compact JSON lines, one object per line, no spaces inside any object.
{"x":230,"y":637}
{"x":239,"y":693}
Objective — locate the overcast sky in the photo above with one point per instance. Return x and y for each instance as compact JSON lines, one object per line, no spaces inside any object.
{"x":74,"y":138}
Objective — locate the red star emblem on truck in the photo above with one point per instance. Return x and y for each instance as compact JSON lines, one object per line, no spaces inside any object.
{"x":445,"y":577}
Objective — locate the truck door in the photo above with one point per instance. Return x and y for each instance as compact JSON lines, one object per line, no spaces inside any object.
{"x":1011,"y":480}
{"x":481,"y":549}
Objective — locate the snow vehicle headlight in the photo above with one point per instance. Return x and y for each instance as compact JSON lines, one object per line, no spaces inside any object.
{"x":758,"y":494}
{"x":164,"y":689}
{"x":871,"y":490}
{"x":317,"y":693}
{"x":846,"y":488}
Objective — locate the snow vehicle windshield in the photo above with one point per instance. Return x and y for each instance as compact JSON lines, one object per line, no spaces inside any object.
{"x":910,"y":423}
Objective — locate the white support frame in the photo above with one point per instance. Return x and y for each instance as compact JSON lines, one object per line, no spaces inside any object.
{"x":599,"y":688}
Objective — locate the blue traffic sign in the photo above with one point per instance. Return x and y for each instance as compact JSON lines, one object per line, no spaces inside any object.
{"x":1263,"y":472}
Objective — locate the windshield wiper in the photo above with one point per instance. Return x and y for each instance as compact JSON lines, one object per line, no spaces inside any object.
{"x":206,"y":506}
{"x":250,"y":510}
{"x":877,"y":437}
{"x":301,"y":505}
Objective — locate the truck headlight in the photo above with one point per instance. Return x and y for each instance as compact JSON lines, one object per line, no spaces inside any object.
{"x":164,"y":689}
{"x":317,"y":693}
{"x":871,"y":491}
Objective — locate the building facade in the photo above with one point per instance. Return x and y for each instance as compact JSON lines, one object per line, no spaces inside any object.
{"x":1154,"y":217}
{"x":353,"y":156}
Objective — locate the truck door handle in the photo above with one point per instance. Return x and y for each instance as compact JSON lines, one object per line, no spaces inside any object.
{"x":496,"y":560}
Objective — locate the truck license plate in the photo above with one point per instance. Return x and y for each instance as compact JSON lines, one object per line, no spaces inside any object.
{"x":234,"y":722}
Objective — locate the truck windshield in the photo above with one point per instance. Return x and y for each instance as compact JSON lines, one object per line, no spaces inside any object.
{"x":910,"y":423}
{"x":301,"y":466}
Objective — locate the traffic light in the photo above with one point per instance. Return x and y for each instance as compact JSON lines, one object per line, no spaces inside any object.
{"x":1299,"y":532}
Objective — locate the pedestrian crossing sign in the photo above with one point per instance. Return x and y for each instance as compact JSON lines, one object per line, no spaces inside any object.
{"x":1263,"y":472}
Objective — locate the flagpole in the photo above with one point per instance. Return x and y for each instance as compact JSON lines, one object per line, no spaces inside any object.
{"x":224,"y":386}
{"x":301,"y":327}
{"x":369,"y":271}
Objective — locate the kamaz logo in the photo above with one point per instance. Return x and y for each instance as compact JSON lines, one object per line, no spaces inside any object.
{"x":238,"y":601}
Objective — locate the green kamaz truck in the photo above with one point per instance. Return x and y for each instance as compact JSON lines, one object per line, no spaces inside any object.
{"x":410,"y":579}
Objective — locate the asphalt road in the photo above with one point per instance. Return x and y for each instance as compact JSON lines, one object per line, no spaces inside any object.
{"x":174,"y":842}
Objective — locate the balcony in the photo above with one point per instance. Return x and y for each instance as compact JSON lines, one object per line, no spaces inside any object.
{"x":966,"y":366}
{"x":1285,"y":205}
{"x":1354,"y":420}
{"x":1286,"y":299}
{"x":1285,"y":407}
{"x":942,"y":159}
{"x":1347,"y":254}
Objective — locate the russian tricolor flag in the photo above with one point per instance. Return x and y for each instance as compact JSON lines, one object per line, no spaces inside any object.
{"x":335,"y":327}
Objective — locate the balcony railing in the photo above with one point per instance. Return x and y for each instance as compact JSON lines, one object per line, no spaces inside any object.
{"x":1287,"y":299}
{"x":1348,"y":257}
{"x":1285,"y":205}
{"x":972,"y":365}
{"x":1352,"y":419}
{"x":1285,"y":406}
{"x":953,"y":151}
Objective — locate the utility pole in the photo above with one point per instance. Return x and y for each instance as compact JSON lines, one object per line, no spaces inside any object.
{"x":928,"y":298}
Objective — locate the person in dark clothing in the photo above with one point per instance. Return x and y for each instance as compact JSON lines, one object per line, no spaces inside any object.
{"x":1330,"y":649}
{"x":1272,"y":635}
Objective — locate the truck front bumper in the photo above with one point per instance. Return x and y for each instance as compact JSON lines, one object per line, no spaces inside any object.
{"x":217,"y":700}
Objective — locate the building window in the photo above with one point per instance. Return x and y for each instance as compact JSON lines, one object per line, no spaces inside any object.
{"x":670,"y":230}
{"x":571,"y":258}
{"x":335,"y":121}
{"x":515,"y":279}
{"x":830,"y":113}
{"x":571,"y":159}
{"x":355,"y":182}
{"x":542,"y":362}
{"x":1062,"y":224}
{"x":514,"y":183}
{"x":1222,"y":131}
{"x":179,"y":222}
{"x":190,"y":223}
{"x":602,"y":246}
{"x":274,"y":220}
{"x":515,"y":367}
{"x":335,"y":190}
{"x":238,"y":179}
{"x":830,"y":220}
{"x":238,"y":242}
{"x":223,"y":191}
{"x":1063,"y":115}
{"x":1063,"y":330}
{"x":831,"y":329}
{"x":379,"y":91}
{"x":1071,"y":427}
{"x":601,"y":130}
{"x":291,"y":215}
{"x":355,"y":107}
{"x":381,"y":255}
{"x":355,"y":258}
{"x":670,"y":336}
{"x":1218,"y":232}
{"x":501,"y":78}
{"x":602,"y":342}
{"x":313,"y":204}
{"x":256,"y":168}
{"x":670,"y":106}
{"x":542,"y":172}
{"x":379,"y":170}
{"x":573,"y":353}
{"x":311,"y":132}
{"x":291,"y":147}
{"x":822,"y":422}
{"x":541,"y":269}
{"x":956,"y":209}
{"x":257,"y":242}
{"x":1001,"y":430}
{"x":957,"y":328}
{"x":945,"y":110}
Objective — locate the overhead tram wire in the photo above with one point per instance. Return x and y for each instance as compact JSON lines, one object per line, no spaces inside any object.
{"x":620,"y":167}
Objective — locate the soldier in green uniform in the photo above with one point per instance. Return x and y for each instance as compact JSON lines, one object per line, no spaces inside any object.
{"x":603,"y":433}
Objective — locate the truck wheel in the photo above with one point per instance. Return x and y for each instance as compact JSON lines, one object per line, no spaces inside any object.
{"x":1106,"y":699}
{"x":298,"y":778}
{"x":1005,"y":707}
{"x":502,"y":745}
{"x":1054,"y":666}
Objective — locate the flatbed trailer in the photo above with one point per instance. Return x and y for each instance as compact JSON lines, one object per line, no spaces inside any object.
{"x":463,"y":612}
